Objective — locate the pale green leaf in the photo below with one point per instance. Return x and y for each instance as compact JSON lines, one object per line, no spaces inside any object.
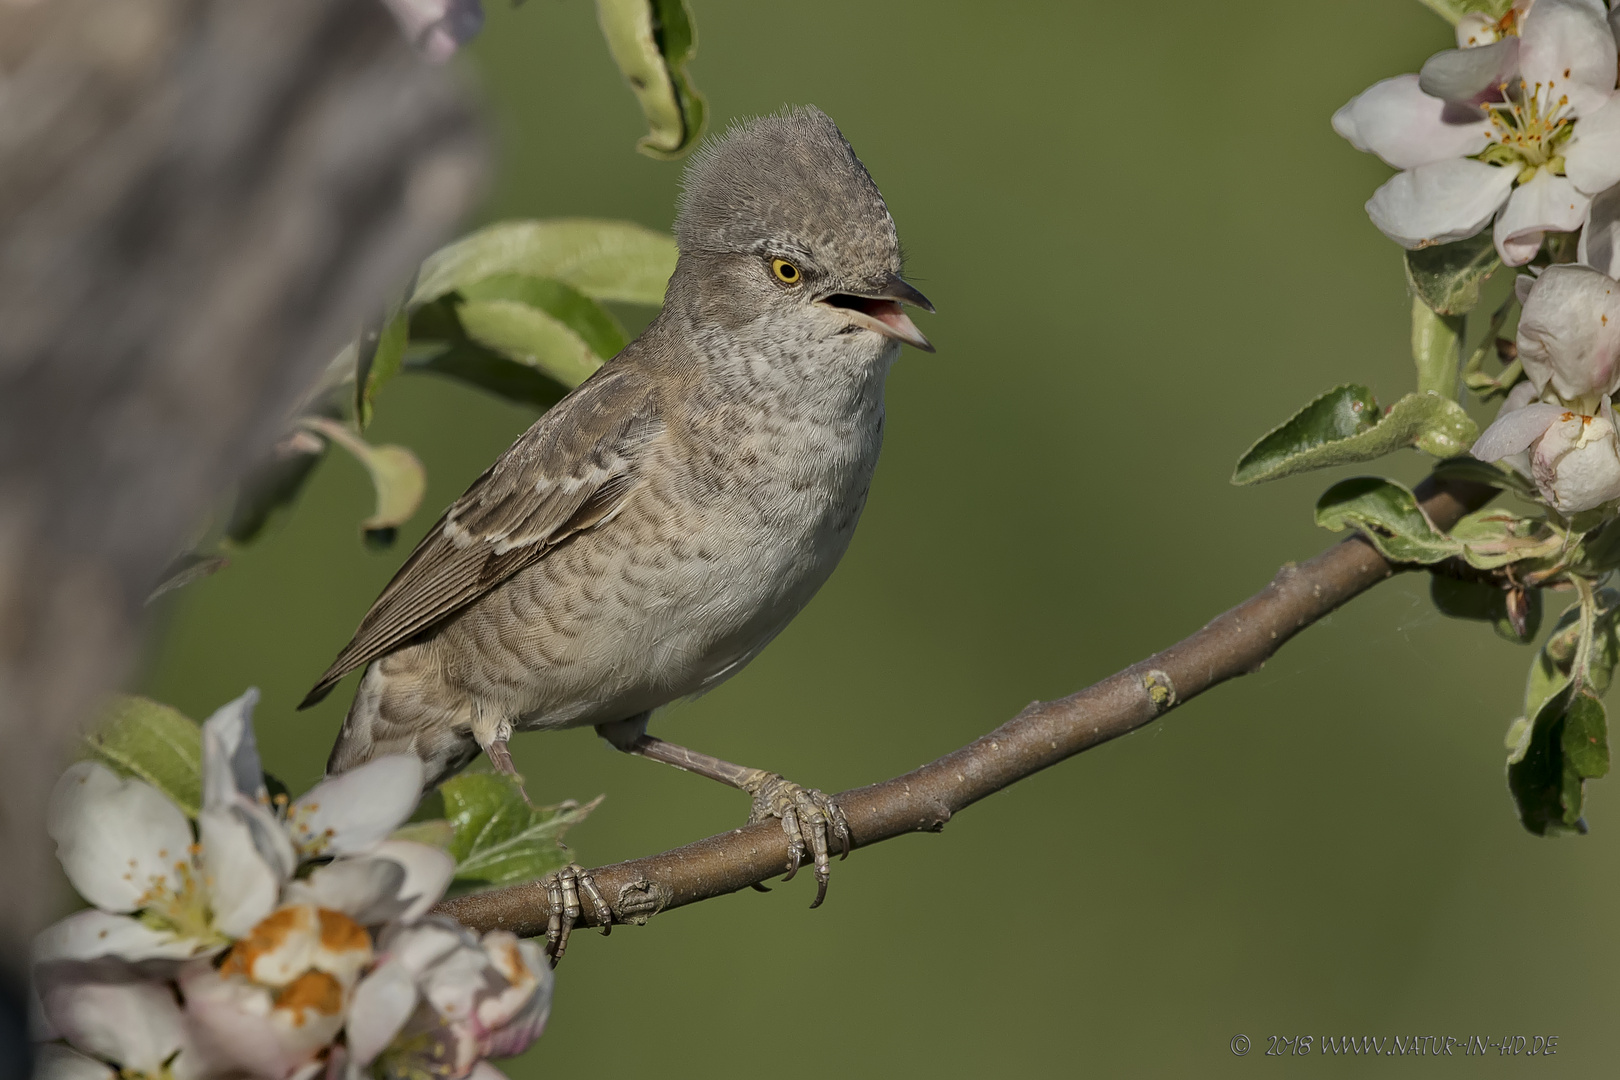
{"x":530,"y":337}
{"x":396,"y":475}
{"x":651,"y":41}
{"x":1389,"y":516}
{"x":498,"y":837}
{"x":381,"y":354}
{"x":1343,"y":427}
{"x":605,"y":260}
{"x":594,"y":324}
{"x":152,"y":742}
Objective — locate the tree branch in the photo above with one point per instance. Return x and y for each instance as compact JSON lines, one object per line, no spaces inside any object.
{"x":1044,"y":734}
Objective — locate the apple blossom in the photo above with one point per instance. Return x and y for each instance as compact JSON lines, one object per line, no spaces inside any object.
{"x":443,"y":999}
{"x":1524,"y":130}
{"x":112,"y":1017}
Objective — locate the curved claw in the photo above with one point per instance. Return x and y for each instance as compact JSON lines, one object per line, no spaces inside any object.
{"x":811,"y":821}
{"x":562,"y":897}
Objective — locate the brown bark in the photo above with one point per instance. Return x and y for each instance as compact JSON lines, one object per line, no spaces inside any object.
{"x":1044,"y":734}
{"x":199,"y":202}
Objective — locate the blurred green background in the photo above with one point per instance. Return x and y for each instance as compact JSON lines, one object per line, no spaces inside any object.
{"x":1146,"y":246}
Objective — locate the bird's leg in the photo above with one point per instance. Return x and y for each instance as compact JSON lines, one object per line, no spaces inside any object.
{"x":562,"y":897}
{"x":501,"y":758}
{"x":809,"y":818}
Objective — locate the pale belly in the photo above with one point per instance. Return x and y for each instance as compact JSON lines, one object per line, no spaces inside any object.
{"x":649,"y":609}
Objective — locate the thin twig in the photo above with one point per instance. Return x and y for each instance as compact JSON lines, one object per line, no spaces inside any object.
{"x":1235,"y":643}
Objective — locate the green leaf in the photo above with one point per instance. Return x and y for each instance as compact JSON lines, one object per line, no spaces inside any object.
{"x":651,"y":41}
{"x":1343,"y":427}
{"x":1493,"y":538}
{"x":1437,"y":350}
{"x":1485,"y":602}
{"x":381,"y":354}
{"x":605,"y":260}
{"x":396,"y":475}
{"x":530,"y":336}
{"x":152,"y":742}
{"x":189,"y":567}
{"x":498,"y":837}
{"x":594,"y":324}
{"x":477,"y":366}
{"x":1565,"y":745}
{"x":1388,"y":515}
{"x":1447,"y":277}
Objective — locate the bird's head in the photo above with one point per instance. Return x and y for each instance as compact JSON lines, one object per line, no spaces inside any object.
{"x":779,"y":220}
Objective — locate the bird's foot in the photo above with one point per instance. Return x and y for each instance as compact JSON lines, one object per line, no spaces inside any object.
{"x":562,"y":897}
{"x":811,"y":820}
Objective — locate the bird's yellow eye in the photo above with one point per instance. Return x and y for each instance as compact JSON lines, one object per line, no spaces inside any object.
{"x":786,"y":272}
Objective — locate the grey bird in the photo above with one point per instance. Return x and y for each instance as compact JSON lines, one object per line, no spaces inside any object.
{"x":653,"y":531}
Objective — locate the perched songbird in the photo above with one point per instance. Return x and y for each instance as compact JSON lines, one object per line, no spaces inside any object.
{"x":649,"y":535}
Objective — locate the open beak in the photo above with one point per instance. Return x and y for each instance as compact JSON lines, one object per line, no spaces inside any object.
{"x":880,"y":310}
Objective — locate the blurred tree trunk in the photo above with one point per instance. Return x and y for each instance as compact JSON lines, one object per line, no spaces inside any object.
{"x":199,"y":201}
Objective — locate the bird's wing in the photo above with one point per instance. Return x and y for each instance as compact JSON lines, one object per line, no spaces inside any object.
{"x":571,"y":471}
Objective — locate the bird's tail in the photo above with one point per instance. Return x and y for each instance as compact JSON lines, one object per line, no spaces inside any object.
{"x":394,"y":715}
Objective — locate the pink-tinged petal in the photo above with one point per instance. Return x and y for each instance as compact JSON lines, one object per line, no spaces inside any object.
{"x":1600,"y":236}
{"x":422,"y":944}
{"x":438,"y":27}
{"x":1435,"y":204}
{"x":109,"y":1009}
{"x":366,"y":888}
{"x":1576,"y":464}
{"x":1566,"y":49}
{"x":89,"y":934}
{"x":1569,"y":332}
{"x":1545,"y":203}
{"x":231,"y":754}
{"x":119,"y":840}
{"x":456,"y":983}
{"x":53,"y":1061}
{"x":353,"y":812}
{"x":1406,"y":127}
{"x":428,"y":871}
{"x":382,"y":1002}
{"x":243,"y":1027}
{"x":515,"y":1017}
{"x":243,"y":888}
{"x":1471,"y":75}
{"x":1514,"y":431}
{"x":1592,"y":155}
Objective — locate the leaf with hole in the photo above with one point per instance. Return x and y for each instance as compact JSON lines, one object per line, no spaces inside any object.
{"x":651,"y":41}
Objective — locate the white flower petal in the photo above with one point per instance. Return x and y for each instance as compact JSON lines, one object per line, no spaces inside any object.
{"x":1545,"y":203}
{"x":240,"y":1024}
{"x":89,"y":934}
{"x":53,"y":1061}
{"x":1514,"y":430}
{"x":1600,"y":235}
{"x":515,"y":1017}
{"x":243,"y":887}
{"x":1438,"y":203}
{"x":428,"y":871}
{"x":382,"y":1002}
{"x":1569,"y":332}
{"x":117,"y":839}
{"x":1406,"y":127}
{"x":1576,"y":464}
{"x":365,"y":888}
{"x":421,"y":945}
{"x":1592,"y":155}
{"x":353,"y":812}
{"x":1567,"y":48}
{"x":1469,"y":74}
{"x":109,"y":1009}
{"x":231,"y":754}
